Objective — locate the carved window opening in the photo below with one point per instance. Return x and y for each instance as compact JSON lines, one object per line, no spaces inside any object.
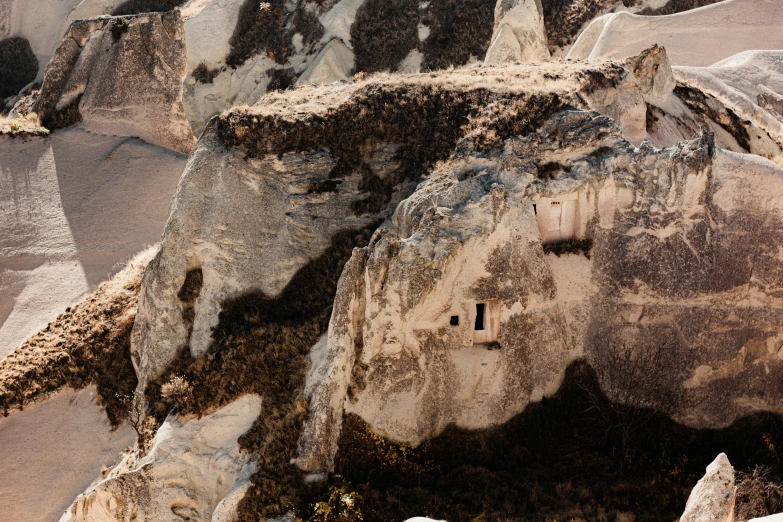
{"x":480,"y":309}
{"x":454,"y":320}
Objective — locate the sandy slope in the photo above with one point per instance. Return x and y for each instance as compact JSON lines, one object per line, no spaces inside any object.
{"x":52,"y":451}
{"x":73,"y":208}
{"x":699,"y":37}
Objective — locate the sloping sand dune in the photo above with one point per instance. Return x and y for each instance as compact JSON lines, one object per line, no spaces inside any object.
{"x":699,"y":37}
{"x":52,"y":451}
{"x":73,"y":208}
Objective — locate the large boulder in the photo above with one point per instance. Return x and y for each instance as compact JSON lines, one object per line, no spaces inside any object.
{"x":121,"y":76}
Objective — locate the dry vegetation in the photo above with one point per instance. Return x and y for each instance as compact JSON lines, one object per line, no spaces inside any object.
{"x":88,"y":344}
{"x":131,"y":7}
{"x":22,"y":125}
{"x":266,"y":27}
{"x":560,"y":460}
{"x":677,"y":6}
{"x":18,"y":65}
{"x":384,"y":33}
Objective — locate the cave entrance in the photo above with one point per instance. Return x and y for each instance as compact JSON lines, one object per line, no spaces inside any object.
{"x":486,"y":323}
{"x":480,"y":309}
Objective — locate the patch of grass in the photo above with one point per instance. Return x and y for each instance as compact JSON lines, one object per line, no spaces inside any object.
{"x":203,"y":74}
{"x":119,"y":26}
{"x":132,"y":7}
{"x":18,"y":65}
{"x":459,"y":29}
{"x":88,"y":344}
{"x":571,"y":246}
{"x":261,"y":27}
{"x":676,"y":6}
{"x":384,"y":32}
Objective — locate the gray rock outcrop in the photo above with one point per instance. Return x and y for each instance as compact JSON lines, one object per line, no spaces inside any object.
{"x":121,"y":76}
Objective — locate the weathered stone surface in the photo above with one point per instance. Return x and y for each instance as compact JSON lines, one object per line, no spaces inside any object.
{"x":663,"y":288}
{"x":519,"y":34}
{"x":193,"y":470}
{"x":712,"y":499}
{"x":266,"y":189}
{"x":121,"y":76}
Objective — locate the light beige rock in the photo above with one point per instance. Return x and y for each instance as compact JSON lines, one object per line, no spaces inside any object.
{"x":53,"y":450}
{"x":192,"y":466}
{"x":713,"y":497}
{"x":519,"y":34}
{"x":699,"y":37}
{"x":127,"y":86}
{"x":334,"y":63}
{"x":471,"y":242}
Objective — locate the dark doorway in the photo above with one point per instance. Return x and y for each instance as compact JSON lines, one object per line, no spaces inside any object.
{"x":480,"y":316}
{"x":454,"y":320}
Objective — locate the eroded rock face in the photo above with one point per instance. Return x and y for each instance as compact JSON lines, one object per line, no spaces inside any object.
{"x":193,"y":470}
{"x":712,"y":499}
{"x":266,"y":189}
{"x":519,"y":34}
{"x":121,"y":76}
{"x":502,"y":269}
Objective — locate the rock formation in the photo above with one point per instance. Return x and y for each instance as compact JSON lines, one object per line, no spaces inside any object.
{"x":193,"y":470}
{"x":377,"y":289}
{"x":313,"y":180}
{"x":121,"y":76}
{"x":713,"y":497}
{"x":434,"y":325}
{"x":519,"y":34}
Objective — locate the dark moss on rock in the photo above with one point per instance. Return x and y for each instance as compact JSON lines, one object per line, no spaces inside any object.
{"x":18,"y":65}
{"x":676,"y":6}
{"x":384,"y":32}
{"x":280,"y":79}
{"x":704,"y":104}
{"x":558,"y":460}
{"x":261,"y":28}
{"x":459,"y":30}
{"x":203,"y":74}
{"x":260,"y":345}
{"x":563,"y":19}
{"x":426,"y":122}
{"x":131,"y":7}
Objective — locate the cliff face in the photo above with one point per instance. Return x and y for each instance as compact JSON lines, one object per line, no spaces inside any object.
{"x":499,"y":271}
{"x":341,"y":166}
{"x":356,"y":266}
